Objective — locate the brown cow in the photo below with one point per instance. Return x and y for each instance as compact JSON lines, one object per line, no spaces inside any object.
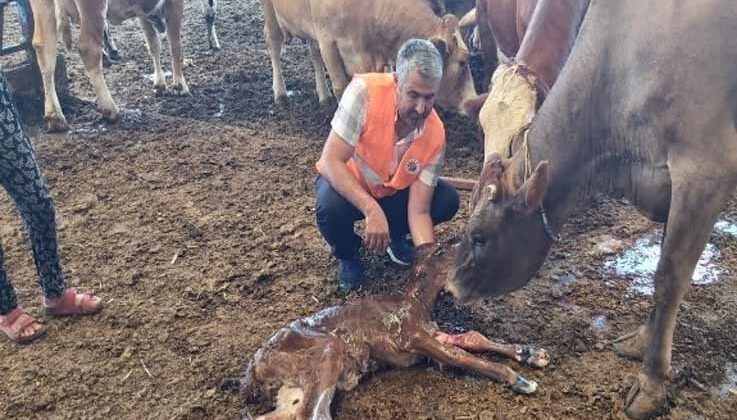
{"x":365,"y":40}
{"x":153,"y":16}
{"x":538,"y":45}
{"x":646,"y":111}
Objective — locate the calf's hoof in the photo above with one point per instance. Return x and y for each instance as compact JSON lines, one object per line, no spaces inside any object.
{"x":645,"y":399}
{"x":632,"y":345}
{"x":524,"y":386}
{"x":535,"y":357}
{"x":56,"y":123}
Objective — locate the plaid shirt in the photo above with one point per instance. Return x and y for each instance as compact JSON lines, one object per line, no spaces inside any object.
{"x":348,"y":124}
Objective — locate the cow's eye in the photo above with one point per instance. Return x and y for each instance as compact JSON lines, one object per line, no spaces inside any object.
{"x":478,"y":241}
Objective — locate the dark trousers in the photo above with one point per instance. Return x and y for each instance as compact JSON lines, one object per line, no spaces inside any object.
{"x":336,"y":215}
{"x":22,"y":179}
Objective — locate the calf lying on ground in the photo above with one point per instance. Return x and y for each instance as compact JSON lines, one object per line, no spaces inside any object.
{"x":304,"y":363}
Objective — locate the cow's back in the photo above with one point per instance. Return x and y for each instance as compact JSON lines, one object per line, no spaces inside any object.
{"x":665,"y":70}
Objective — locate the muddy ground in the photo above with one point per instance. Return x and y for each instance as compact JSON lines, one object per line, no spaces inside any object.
{"x":193,"y":218}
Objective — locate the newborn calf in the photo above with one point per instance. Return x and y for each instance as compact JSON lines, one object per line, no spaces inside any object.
{"x":304,"y":363}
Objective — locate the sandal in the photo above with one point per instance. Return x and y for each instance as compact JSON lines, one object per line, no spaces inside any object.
{"x":72,"y":303}
{"x":18,"y":321}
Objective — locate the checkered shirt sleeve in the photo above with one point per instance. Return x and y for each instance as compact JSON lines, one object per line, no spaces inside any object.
{"x":351,"y":114}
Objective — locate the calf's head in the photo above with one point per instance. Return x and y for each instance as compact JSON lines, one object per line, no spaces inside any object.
{"x":456,"y":86}
{"x":504,"y":242}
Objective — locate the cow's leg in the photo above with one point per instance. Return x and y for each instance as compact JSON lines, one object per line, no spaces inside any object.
{"x":691,"y":218}
{"x":334,"y":63}
{"x":476,"y":342}
{"x":321,"y":85}
{"x":92,"y":27}
{"x":154,"y":50}
{"x":212,"y":36}
{"x":109,"y":49}
{"x":454,"y":356}
{"x":174,"y":12}
{"x":275,"y":42}
{"x":44,"y":42}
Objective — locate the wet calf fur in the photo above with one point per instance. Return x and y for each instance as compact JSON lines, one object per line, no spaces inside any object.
{"x":304,"y":363}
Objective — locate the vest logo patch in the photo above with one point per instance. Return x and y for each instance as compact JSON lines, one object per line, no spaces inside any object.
{"x":412,"y":166}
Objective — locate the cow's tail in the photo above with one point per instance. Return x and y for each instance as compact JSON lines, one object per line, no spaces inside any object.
{"x":63,"y":24}
{"x":469,"y":19}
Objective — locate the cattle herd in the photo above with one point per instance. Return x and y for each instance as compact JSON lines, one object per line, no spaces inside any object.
{"x":635,"y":99}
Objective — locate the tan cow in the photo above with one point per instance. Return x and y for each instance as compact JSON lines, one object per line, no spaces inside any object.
{"x":354,"y":36}
{"x":54,"y":16}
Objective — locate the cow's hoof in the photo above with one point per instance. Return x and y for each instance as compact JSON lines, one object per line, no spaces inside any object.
{"x":56,"y":123}
{"x":632,"y":345}
{"x":535,"y":357}
{"x":159,"y":90}
{"x":181,"y":90}
{"x":645,"y":399}
{"x":524,"y":386}
{"x":281,"y":100}
{"x":110,"y":115}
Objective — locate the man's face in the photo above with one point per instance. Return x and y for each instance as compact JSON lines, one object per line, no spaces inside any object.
{"x":415,"y":98}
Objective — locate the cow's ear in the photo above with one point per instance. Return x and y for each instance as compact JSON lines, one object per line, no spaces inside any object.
{"x":473,"y":106}
{"x":450,"y":22}
{"x":489,"y":184}
{"x":530,"y":196}
{"x":442,"y":47}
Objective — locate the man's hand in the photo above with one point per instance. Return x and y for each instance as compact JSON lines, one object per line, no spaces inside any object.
{"x":376,"y":235}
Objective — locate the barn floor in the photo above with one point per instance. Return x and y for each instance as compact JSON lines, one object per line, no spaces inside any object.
{"x":193,"y":218}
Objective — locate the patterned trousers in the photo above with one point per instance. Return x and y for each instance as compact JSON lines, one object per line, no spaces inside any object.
{"x":22,"y":179}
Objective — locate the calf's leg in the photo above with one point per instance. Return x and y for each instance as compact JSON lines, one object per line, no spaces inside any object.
{"x":476,"y":342}
{"x":454,"y":356}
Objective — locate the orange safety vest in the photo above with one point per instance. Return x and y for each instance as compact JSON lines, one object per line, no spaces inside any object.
{"x":372,"y":158}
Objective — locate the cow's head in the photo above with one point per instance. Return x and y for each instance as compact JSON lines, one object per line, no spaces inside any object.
{"x":456,"y":85}
{"x":505,"y":242}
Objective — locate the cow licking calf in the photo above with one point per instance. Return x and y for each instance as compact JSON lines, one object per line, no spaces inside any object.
{"x":153,"y":15}
{"x":304,"y":363}
{"x":364,"y":42}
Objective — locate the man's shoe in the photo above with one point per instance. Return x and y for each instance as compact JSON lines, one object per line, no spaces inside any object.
{"x":350,"y":274}
{"x":401,"y":251}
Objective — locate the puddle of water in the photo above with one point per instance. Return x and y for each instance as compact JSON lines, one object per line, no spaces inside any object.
{"x":640,"y":261}
{"x":221,"y":110}
{"x":600,"y":324}
{"x":726,"y":227}
{"x":729,"y":386}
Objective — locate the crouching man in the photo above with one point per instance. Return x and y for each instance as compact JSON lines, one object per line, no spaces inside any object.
{"x":382,"y":161}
